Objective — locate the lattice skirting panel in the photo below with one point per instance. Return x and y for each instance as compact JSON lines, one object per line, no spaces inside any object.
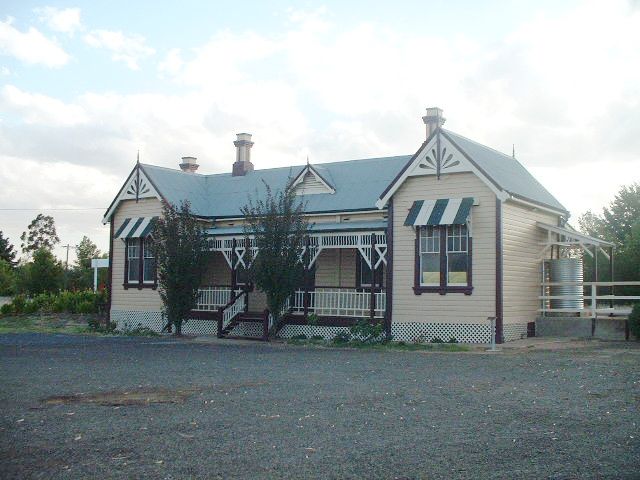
{"x":129,"y":320}
{"x":514,"y":331}
{"x":415,"y":332}
{"x":247,"y":329}
{"x":327,"y":333}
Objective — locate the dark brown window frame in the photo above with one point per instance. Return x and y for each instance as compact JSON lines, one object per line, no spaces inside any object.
{"x":140,"y":284}
{"x":443,"y":288}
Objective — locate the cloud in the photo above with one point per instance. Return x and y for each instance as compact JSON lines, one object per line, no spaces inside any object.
{"x":30,"y":47}
{"x":567,"y":99}
{"x":129,"y":49}
{"x":60,"y":20}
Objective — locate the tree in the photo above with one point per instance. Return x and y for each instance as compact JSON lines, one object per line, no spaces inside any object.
{"x":180,"y":250}
{"x":279,"y":229}
{"x":85,"y":251}
{"x":7,"y":278}
{"x":43,"y":274}
{"x":41,"y":233}
{"x":619,"y":224}
{"x":7,"y":253}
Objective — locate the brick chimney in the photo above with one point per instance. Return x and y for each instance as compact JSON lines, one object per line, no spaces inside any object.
{"x":243,"y":163}
{"x":189,"y":164}
{"x":433,"y":119}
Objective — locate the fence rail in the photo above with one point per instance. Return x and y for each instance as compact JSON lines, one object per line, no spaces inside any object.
{"x":346,"y":302}
{"x":590,"y":303}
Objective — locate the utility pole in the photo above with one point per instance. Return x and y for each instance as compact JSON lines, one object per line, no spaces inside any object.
{"x":66,"y":264}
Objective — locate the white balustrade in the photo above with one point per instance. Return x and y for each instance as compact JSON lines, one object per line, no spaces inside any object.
{"x":234,"y":309}
{"x":212,"y":298}
{"x":341,"y":302}
{"x":619,"y":305}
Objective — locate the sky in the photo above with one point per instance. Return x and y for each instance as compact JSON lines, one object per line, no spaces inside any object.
{"x":84,"y":86}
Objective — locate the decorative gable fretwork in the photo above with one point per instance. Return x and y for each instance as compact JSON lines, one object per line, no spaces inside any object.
{"x":310,"y":182}
{"x":439,"y":157}
{"x":138,"y":186}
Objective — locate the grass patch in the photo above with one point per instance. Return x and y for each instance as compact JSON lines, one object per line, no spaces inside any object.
{"x":392,"y":346}
{"x":71,"y":324}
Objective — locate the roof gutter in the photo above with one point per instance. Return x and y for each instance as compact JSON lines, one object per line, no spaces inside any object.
{"x":538,"y":206}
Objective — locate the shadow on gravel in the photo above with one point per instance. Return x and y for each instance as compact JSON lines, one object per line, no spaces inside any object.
{"x":143,"y":397}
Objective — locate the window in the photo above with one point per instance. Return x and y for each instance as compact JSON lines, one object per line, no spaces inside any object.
{"x":457,"y":255}
{"x":363,"y":273}
{"x":443,"y":259}
{"x":430,"y":256}
{"x":149,"y":262}
{"x":140,"y":263}
{"x":133,"y":260}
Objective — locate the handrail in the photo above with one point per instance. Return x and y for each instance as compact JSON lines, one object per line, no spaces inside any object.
{"x":586,"y":301}
{"x":231,"y":310}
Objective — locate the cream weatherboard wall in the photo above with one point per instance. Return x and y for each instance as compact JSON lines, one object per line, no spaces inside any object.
{"x":131,"y":299}
{"x":521,"y":243}
{"x":453,"y":314}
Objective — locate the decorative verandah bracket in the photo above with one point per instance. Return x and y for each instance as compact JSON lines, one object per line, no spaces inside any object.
{"x":234,"y":252}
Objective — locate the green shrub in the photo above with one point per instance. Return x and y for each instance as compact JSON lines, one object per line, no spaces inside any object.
{"x":634,"y":320}
{"x":367,"y":332}
{"x":436,"y":340}
{"x":86,"y":306}
{"x":341,"y":337}
{"x":302,"y":336}
{"x":453,"y":340}
{"x":6,"y":309}
{"x":19,"y":303}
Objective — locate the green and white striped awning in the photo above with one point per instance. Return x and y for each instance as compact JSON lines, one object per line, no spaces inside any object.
{"x":136,"y":227}
{"x":443,"y":211}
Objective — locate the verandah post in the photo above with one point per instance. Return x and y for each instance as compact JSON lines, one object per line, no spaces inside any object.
{"x":234,"y":280}
{"x":220,"y":314}
{"x":265,"y":325}
{"x":372,"y":305}
{"x":305,"y":260}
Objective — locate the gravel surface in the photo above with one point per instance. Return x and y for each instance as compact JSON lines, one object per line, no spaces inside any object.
{"x":275,"y":411}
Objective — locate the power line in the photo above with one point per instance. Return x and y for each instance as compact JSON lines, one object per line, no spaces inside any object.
{"x":50,"y":209}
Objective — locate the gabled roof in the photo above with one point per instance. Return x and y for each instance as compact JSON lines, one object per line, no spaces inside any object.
{"x":502,"y":173}
{"x":353,"y":185}
{"x":506,"y":171}
{"x":357,"y":184}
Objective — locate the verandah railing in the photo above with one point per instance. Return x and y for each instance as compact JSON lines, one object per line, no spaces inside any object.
{"x":588,"y":301}
{"x":212,"y":297}
{"x":341,"y":302}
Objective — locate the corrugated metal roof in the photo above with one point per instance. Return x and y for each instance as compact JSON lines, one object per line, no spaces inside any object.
{"x":315,"y":227}
{"x":358,"y":184}
{"x":506,"y":171}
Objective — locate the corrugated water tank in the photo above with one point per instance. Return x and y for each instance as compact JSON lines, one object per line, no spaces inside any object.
{"x":567,"y":270}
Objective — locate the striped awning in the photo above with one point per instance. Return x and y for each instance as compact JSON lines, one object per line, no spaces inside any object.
{"x":136,"y":227}
{"x":444,"y":211}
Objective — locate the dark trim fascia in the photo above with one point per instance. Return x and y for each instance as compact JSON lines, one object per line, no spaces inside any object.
{"x":115,"y":199}
{"x":110,"y":292}
{"x":388,"y":316}
{"x":468,"y":157}
{"x":499,"y":273}
{"x":419,"y":290}
{"x":318,"y":212}
{"x":537,"y":202}
{"x":408,"y":164}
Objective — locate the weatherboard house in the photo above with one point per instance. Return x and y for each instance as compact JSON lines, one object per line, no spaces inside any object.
{"x":433,"y":244}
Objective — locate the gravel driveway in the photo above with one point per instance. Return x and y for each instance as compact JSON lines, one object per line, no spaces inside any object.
{"x":275,"y":411}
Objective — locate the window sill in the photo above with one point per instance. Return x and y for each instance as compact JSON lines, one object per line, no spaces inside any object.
{"x":140,"y":286}
{"x":419,"y":290}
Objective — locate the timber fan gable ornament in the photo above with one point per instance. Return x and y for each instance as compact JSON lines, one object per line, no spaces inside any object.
{"x":138,"y":186}
{"x":440,"y":157}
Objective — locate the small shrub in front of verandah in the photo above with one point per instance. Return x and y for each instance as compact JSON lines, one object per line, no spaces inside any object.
{"x":453,"y":340}
{"x":634,"y":321}
{"x":341,"y":338}
{"x":368,"y":332}
{"x":436,"y":340}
